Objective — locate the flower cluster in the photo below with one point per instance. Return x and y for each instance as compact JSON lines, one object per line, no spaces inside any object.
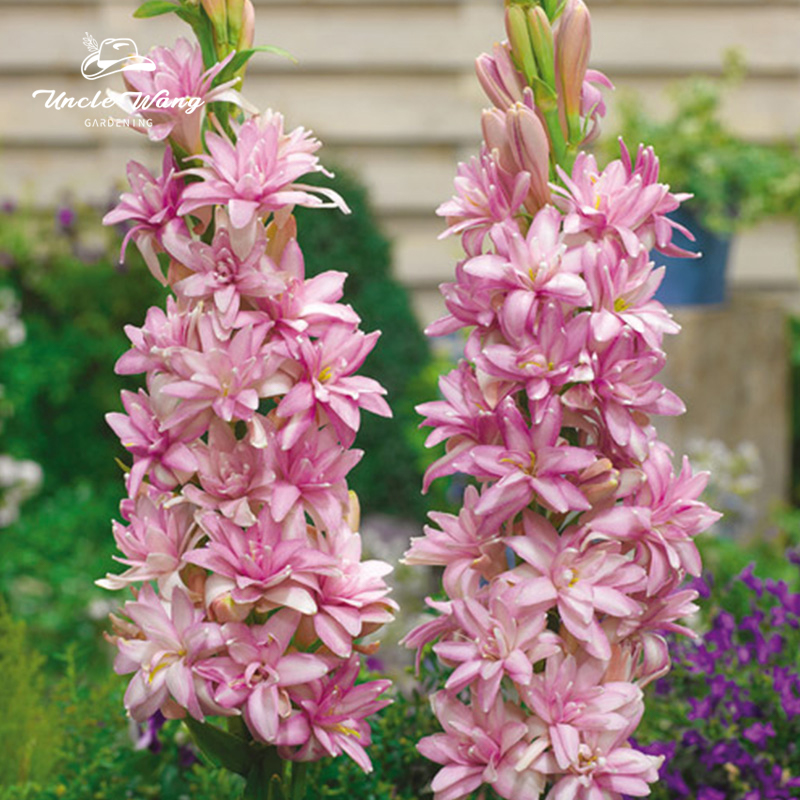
{"x":238,"y":527}
{"x":730,"y":709}
{"x":564,"y":568}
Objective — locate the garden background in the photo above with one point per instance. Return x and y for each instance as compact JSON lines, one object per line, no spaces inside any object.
{"x":389,"y":87}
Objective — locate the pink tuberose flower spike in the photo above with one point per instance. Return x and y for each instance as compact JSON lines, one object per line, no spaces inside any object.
{"x":564,"y":569}
{"x":240,"y":537}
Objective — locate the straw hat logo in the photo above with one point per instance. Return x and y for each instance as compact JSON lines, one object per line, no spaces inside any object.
{"x":112,"y":56}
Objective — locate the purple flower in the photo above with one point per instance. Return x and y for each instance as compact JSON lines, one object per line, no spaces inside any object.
{"x":65,"y":218}
{"x":758,"y":733}
{"x":709,"y":793}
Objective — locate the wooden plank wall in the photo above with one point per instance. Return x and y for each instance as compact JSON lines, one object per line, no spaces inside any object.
{"x":388,"y":86}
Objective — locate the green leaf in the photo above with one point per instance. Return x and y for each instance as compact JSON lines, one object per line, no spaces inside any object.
{"x":221,"y":748}
{"x":243,"y":56}
{"x":154,"y":8}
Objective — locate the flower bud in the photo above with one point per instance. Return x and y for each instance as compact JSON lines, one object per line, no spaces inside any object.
{"x":573,"y":43}
{"x":493,"y":124}
{"x":499,"y":77}
{"x":599,"y":482}
{"x":217,"y":12}
{"x":521,"y":48}
{"x":247,"y":33}
{"x":531,"y":149}
{"x":353,"y":512}
{"x":234,"y":11}
{"x":221,"y":606}
{"x":541,"y":36}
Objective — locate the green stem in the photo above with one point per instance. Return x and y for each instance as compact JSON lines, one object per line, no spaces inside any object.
{"x":299,"y":772}
{"x":264,"y":777}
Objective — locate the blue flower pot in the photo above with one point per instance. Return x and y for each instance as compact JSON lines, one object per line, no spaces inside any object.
{"x":698,"y":281}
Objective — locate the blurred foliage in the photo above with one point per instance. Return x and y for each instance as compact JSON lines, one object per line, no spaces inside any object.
{"x":68,"y":740}
{"x":735,"y":182}
{"x":60,"y":383}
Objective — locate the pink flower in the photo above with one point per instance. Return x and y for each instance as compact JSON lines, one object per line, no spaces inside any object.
{"x":486,"y":196}
{"x":152,"y":207}
{"x":624,"y":200}
{"x":328,"y":387}
{"x":543,"y":354}
{"x":151,"y":344}
{"x":232,"y":268}
{"x":225,"y":378}
{"x":310,"y":478}
{"x":492,"y":643}
{"x":661,"y":519}
{"x":622,"y":289}
{"x":263,"y":570}
{"x":154,"y":543}
{"x":572,"y":698}
{"x":469,"y":301}
{"x":623,"y":392}
{"x":176,"y":638}
{"x":466,"y":546}
{"x":607,"y":767}
{"x":177,"y":89}
{"x":233,"y":476}
{"x":258,"y":175}
{"x":257,"y":672}
{"x":465,"y":417}
{"x":479,"y":747}
{"x":531,"y":464}
{"x":160,"y":455}
{"x":351,"y":601}
{"x":580,"y":579}
{"x":533,"y":262}
{"x":336,"y":710}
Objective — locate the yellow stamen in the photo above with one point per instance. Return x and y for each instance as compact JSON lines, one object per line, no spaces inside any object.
{"x":347,"y":731}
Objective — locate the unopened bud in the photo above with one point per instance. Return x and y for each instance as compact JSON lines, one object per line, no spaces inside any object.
{"x":531,"y":148}
{"x":599,"y":481}
{"x":353,"y":512}
{"x":124,"y":628}
{"x":234,"y":11}
{"x":541,"y":36}
{"x":521,"y":48}
{"x":573,"y":44}
{"x":194,"y":579}
{"x":493,"y":124}
{"x":247,"y":33}
{"x":217,"y":12}
{"x":225,"y":609}
{"x":499,"y":77}
{"x":278,"y":237}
